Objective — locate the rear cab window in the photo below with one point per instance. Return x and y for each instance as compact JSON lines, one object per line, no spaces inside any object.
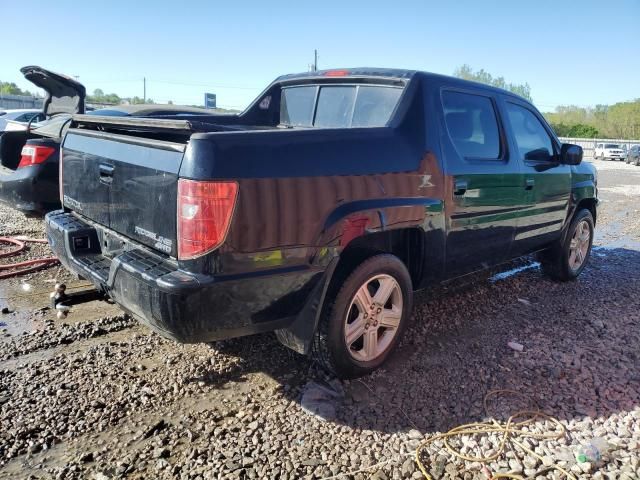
{"x":338,"y":105}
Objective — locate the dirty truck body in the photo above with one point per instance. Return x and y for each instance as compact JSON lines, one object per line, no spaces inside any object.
{"x":240,"y":224}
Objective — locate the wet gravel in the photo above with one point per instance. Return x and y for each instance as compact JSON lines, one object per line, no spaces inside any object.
{"x":99,"y":396}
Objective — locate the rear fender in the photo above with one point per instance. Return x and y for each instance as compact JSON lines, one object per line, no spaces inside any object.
{"x":347,"y":223}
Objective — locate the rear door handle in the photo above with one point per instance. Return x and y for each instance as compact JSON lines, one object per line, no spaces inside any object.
{"x":460,"y":187}
{"x":106,"y":173}
{"x":529,"y":184}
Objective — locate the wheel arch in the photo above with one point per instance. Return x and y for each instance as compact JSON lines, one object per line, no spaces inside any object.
{"x":408,"y":244}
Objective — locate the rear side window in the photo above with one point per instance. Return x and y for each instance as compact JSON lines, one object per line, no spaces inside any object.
{"x":472,"y":125}
{"x":338,"y":106}
{"x":532,"y":139}
{"x":296,"y":107}
{"x":374,"y":106}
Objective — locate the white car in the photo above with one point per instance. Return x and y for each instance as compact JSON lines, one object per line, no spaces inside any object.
{"x":19,"y":115}
{"x":609,"y":151}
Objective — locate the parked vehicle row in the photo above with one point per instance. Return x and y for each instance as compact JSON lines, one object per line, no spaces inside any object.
{"x":319,"y":210}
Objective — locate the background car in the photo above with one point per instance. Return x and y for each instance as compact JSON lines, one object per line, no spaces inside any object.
{"x":609,"y":151}
{"x":29,"y":157}
{"x":633,"y":155}
{"x":20,"y":115}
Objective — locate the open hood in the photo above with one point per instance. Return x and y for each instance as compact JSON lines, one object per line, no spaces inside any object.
{"x":64,"y":94}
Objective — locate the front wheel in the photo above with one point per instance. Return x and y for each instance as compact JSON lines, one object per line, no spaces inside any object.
{"x":363,"y":323}
{"x":566,"y":260}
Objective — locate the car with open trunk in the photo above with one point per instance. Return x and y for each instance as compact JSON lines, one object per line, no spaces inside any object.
{"x":319,"y":210}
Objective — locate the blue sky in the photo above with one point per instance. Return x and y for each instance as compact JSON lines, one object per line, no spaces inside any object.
{"x":570,"y":52}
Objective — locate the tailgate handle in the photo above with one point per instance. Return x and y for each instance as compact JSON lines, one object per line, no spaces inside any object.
{"x":106,"y":173}
{"x":529,"y":184}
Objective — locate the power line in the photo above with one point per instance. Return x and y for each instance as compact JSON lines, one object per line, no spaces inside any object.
{"x":213,"y":85}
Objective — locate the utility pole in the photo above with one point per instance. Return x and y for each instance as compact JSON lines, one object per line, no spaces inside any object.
{"x":315,"y":60}
{"x":144,"y":89}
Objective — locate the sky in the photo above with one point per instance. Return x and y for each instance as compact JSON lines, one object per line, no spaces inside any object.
{"x":570,"y":52}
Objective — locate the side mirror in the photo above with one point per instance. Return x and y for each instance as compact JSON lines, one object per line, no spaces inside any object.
{"x":570,"y":154}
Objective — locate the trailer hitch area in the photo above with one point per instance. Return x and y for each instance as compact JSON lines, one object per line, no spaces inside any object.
{"x":62,"y":301}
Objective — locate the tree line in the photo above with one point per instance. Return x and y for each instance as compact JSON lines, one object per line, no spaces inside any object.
{"x":10,"y":88}
{"x":620,"y":120}
{"x":114,"y":99}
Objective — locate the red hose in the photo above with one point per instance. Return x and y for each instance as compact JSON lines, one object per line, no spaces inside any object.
{"x":31,"y":265}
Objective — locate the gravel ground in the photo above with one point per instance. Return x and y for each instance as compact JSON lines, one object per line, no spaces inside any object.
{"x":99,"y":396}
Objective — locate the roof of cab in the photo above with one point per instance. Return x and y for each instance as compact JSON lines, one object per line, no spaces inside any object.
{"x":391,"y":73}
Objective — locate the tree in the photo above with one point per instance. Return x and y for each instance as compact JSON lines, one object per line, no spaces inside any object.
{"x":7,"y":88}
{"x":467,"y":73}
{"x":137,"y":100}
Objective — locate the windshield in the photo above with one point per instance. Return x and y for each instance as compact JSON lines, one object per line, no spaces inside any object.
{"x":612,"y":145}
{"x":338,"y":106}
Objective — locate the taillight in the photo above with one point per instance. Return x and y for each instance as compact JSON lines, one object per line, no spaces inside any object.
{"x":204,"y":215}
{"x":336,"y":73}
{"x":34,"y":154}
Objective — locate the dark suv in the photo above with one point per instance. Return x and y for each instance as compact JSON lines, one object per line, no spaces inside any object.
{"x":319,"y":210}
{"x":633,"y":155}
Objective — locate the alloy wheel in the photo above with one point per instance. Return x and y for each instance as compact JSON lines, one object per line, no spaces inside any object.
{"x":579,"y":246}
{"x":373,"y":318}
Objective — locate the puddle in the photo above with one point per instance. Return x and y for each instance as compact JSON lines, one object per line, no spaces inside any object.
{"x":30,"y":307}
{"x":25,"y":310}
{"x":513,"y":271}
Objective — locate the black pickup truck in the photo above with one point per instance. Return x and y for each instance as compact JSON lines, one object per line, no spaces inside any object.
{"x":318,"y":211}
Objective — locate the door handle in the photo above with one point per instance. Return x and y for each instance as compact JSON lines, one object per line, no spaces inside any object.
{"x":106,"y":173}
{"x":460,"y":187}
{"x":529,"y":184}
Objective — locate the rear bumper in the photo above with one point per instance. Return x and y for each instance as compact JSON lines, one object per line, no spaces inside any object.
{"x":183,"y":306}
{"x":28,"y":189}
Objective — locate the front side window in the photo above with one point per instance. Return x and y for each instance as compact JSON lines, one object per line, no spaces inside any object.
{"x":338,"y":106}
{"x":532,"y":139}
{"x":472,"y":125}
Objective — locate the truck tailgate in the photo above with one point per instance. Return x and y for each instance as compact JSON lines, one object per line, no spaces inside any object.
{"x":126,"y":183}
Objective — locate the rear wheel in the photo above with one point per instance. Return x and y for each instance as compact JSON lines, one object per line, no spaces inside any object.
{"x":566,"y":260}
{"x":363,"y":323}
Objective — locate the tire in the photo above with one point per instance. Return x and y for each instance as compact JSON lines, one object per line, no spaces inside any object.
{"x":350,"y":358}
{"x":637,"y":161}
{"x":560,"y":262}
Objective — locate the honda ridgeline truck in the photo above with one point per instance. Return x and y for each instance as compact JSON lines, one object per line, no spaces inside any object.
{"x":319,"y":210}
